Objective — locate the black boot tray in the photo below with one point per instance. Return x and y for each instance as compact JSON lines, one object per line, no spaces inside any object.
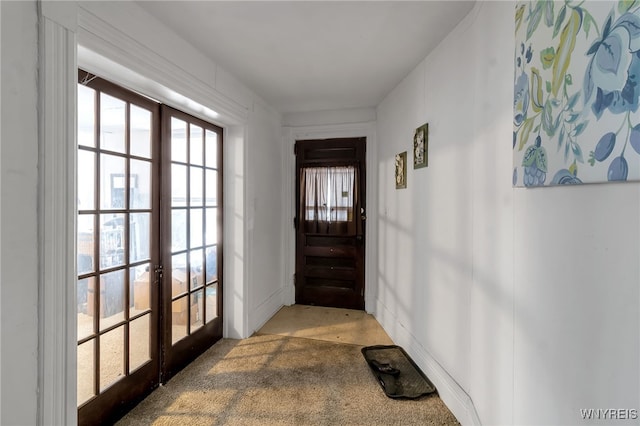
{"x":396,"y":372}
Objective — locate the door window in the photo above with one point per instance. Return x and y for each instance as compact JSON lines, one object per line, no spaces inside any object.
{"x":328,"y":193}
{"x":328,"y":196}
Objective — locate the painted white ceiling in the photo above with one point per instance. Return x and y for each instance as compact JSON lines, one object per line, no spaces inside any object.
{"x":314,"y":55}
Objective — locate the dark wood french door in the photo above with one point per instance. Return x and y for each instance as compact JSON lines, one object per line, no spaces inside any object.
{"x":117,"y":248}
{"x":330,"y":231}
{"x":149,"y":254}
{"x":192,"y":243}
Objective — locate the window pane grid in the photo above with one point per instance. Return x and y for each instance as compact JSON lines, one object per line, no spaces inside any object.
{"x":194,"y":227}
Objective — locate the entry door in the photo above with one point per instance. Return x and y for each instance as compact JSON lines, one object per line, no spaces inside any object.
{"x":192,"y":230}
{"x":117,"y":249}
{"x":330,"y":231}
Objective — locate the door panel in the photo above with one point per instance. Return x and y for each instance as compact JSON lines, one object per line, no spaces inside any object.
{"x":117,"y":240}
{"x":330,"y":195}
{"x":192,"y":224}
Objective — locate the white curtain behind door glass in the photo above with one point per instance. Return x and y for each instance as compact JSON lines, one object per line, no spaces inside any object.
{"x":328,"y":193}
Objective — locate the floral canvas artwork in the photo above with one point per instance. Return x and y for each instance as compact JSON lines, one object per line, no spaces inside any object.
{"x":576,"y":92}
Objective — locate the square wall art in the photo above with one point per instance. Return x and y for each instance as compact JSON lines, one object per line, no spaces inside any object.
{"x":576,"y":92}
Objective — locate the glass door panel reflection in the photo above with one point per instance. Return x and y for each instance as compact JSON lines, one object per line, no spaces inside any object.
{"x":113,"y":113}
{"x":140,"y":131}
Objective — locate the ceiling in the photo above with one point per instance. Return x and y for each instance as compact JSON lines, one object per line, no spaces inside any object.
{"x":314,"y":55}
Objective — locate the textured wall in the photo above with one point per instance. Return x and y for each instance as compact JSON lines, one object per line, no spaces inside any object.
{"x":18,"y":213}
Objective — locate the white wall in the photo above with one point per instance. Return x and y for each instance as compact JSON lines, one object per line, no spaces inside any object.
{"x":264,"y":216}
{"x":522,"y":305}
{"x":18,"y":212}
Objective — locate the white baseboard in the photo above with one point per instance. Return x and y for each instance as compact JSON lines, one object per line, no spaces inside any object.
{"x":259,"y":315}
{"x":451,"y":393}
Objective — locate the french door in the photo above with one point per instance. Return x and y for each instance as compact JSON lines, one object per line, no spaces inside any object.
{"x":192,"y":229}
{"x":148,"y":245}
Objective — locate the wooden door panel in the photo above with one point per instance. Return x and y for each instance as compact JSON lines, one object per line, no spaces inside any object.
{"x":329,"y":283}
{"x":330,"y":273}
{"x":346,"y":252}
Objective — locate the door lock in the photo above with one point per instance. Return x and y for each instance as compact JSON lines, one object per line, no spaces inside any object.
{"x":158,"y":270}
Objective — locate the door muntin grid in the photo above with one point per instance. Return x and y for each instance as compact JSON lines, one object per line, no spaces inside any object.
{"x":195,"y":222}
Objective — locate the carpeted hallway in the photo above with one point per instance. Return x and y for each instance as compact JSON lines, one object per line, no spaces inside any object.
{"x":304,"y":367}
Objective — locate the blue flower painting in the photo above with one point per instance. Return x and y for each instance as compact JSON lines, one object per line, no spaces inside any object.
{"x":576,"y":92}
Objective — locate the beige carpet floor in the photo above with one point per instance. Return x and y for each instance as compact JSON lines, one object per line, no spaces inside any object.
{"x":274,"y":379}
{"x":329,"y":324}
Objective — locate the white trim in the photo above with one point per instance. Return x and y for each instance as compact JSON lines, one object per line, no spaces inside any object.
{"x":288,"y":231}
{"x":99,"y":37}
{"x":235,"y":264}
{"x":451,"y":393}
{"x":0,"y":217}
{"x":56,"y":221}
{"x":290,"y":135}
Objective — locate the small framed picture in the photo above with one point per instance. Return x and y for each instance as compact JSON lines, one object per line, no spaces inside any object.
{"x":420,"y":145}
{"x":401,"y":170}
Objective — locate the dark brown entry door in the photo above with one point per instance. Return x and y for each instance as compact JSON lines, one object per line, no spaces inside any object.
{"x":330,"y":237}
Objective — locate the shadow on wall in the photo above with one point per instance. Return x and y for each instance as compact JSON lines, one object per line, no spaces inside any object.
{"x":234,"y":292}
{"x":428,"y":287}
